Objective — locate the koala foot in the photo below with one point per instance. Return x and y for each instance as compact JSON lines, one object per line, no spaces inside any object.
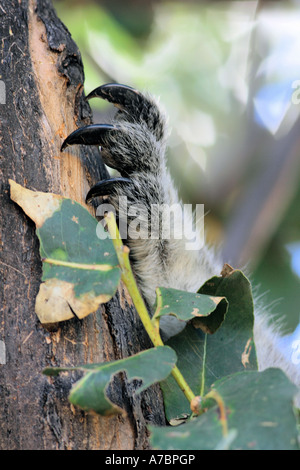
{"x":134,"y":143}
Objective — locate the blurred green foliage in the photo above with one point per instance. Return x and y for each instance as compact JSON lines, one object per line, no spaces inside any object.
{"x":224,"y":72}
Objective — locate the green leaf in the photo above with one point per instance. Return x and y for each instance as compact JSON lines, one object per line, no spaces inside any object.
{"x":206,"y":312}
{"x":89,"y":393}
{"x":80,"y":266}
{"x":88,"y":262}
{"x":206,"y":358}
{"x":259,"y":416}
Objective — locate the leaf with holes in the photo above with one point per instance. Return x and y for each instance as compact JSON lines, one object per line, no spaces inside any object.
{"x":90,"y":392}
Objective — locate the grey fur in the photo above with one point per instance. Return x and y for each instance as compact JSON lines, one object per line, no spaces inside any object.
{"x":138,"y":151}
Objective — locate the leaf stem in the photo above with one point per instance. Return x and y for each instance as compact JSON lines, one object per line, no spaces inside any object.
{"x":189,"y":394}
{"x":130,"y":282}
{"x":128,"y":278}
{"x":220,"y":402}
{"x":203,"y":366}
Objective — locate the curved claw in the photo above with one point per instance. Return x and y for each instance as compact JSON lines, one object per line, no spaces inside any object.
{"x":122,"y":96}
{"x":89,"y":135}
{"x":105,"y":187}
{"x":134,"y":104}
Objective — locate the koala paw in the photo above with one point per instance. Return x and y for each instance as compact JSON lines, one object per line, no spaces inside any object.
{"x":133,"y":143}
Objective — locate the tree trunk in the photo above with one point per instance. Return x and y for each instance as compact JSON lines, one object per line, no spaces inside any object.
{"x":42,"y":101}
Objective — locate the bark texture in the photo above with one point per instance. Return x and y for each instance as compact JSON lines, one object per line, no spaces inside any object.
{"x":42,"y":71}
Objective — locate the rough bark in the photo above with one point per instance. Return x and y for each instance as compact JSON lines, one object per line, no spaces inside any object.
{"x":43,"y":75}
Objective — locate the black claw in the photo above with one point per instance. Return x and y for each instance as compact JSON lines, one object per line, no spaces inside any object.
{"x":89,"y":135}
{"x":122,"y":96}
{"x":134,"y":104}
{"x":105,"y":187}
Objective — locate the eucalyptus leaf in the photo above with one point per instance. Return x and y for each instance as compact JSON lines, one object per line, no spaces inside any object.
{"x":80,"y":266}
{"x":206,"y":312}
{"x":206,"y":358}
{"x":90,"y":392}
{"x":259,"y":411}
{"x":88,"y":262}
